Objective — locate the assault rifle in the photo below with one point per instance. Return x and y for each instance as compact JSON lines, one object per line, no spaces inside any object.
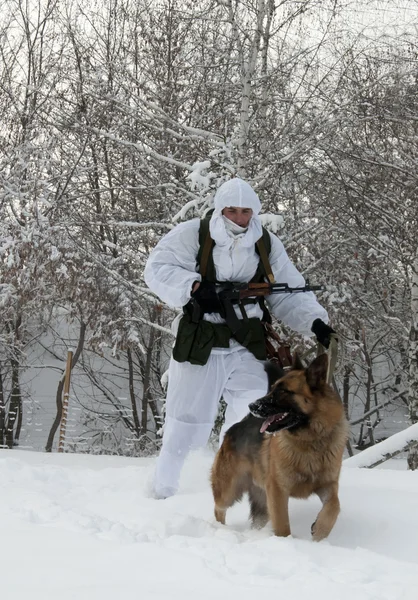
{"x":231,"y":293}
{"x":240,"y":291}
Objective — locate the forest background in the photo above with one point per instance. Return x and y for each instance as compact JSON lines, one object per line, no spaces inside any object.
{"x":120,"y":118}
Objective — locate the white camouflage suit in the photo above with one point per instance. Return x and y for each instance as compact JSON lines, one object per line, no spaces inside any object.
{"x":233,"y":373}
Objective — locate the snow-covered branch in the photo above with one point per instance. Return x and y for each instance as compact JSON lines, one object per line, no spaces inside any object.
{"x":383,"y":451}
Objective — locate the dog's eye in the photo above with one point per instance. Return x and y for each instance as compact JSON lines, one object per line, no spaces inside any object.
{"x":306,"y":401}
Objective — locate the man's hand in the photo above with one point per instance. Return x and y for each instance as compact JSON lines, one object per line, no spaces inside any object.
{"x":205,"y":295}
{"x":323,"y":332}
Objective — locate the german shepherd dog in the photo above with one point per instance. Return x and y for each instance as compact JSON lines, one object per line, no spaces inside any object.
{"x":302,"y":456}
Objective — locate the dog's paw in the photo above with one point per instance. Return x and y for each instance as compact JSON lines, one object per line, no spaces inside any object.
{"x":319,"y":532}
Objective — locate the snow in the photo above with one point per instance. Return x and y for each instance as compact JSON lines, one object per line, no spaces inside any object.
{"x":274,"y":223}
{"x":199,"y":179}
{"x":85,"y":527}
{"x":375,"y":453}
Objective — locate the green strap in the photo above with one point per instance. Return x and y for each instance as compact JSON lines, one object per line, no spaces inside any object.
{"x":207,"y":249}
{"x":265,"y":259}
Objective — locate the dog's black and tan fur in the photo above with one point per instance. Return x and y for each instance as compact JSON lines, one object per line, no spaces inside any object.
{"x":302,"y":456}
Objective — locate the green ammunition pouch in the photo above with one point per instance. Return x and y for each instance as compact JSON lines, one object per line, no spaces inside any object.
{"x":195,"y":341}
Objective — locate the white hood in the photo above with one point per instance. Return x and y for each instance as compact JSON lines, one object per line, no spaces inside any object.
{"x":235,"y":192}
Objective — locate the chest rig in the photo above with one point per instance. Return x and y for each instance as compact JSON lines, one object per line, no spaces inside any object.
{"x":197,"y":337}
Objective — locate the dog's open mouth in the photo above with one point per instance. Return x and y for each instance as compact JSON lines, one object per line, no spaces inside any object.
{"x":279,"y":421}
{"x":273,"y":419}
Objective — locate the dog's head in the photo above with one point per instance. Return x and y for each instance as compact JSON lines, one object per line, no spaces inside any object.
{"x":298,"y":398}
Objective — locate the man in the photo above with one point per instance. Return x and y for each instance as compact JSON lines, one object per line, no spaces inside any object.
{"x":208,"y":361}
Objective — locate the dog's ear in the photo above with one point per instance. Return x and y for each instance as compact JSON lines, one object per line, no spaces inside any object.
{"x":297,"y":363}
{"x":316,"y":373}
{"x":274,"y":373}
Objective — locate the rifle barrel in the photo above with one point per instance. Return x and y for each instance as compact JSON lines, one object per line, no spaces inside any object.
{"x":265,"y":289}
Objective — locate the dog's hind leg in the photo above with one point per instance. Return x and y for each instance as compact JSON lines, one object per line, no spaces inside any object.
{"x":229,"y":481}
{"x":226,"y":493}
{"x":258,"y":504}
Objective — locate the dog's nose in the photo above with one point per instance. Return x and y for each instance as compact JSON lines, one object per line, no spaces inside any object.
{"x":257,"y":409}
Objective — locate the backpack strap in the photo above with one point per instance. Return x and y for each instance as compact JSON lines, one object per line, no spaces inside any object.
{"x":264,"y":256}
{"x":206,"y":252}
{"x":204,"y":256}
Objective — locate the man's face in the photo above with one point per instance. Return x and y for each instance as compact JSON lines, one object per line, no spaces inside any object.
{"x":239,"y":216}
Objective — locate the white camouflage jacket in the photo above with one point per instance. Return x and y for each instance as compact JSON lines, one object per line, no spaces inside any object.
{"x":172,"y":268}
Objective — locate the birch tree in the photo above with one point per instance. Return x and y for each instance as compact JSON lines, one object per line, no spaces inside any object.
{"x":372,"y":158}
{"x":413,"y":361}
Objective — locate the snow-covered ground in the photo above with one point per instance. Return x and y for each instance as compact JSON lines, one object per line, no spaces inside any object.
{"x":84,"y":527}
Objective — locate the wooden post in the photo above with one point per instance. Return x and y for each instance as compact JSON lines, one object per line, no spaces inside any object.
{"x":65,"y":399}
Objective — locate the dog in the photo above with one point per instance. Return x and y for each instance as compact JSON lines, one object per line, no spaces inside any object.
{"x":290,"y":446}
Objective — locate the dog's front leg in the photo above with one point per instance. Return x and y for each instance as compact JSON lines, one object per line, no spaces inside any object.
{"x":277,"y":504}
{"x":327,"y":516}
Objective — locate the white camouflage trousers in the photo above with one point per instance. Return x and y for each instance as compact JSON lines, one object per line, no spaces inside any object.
{"x":193,"y":397}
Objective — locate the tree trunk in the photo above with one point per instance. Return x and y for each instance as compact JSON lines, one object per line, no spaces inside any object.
{"x":147,"y":374}
{"x":346,"y":389}
{"x":132,"y":393}
{"x":249,"y":57}
{"x":55,"y":424}
{"x":2,"y":413}
{"x":15,"y":405}
{"x":413,"y":363}
{"x":367,"y":424}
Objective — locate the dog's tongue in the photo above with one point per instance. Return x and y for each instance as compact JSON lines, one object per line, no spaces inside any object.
{"x":271,"y":419}
{"x":267,"y":422}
